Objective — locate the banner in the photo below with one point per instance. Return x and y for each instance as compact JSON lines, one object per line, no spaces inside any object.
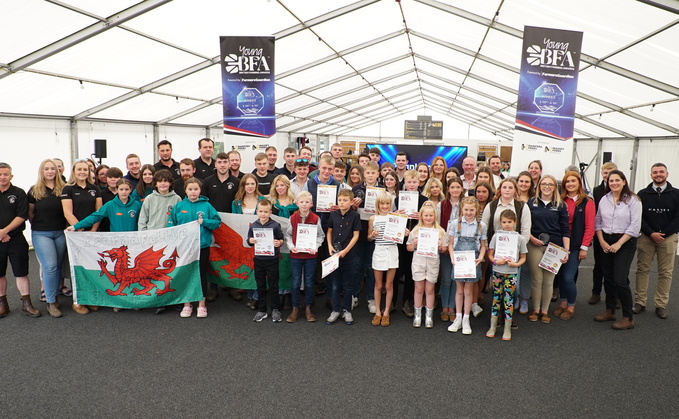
{"x":248,"y":85}
{"x":232,"y":259}
{"x":545,"y":109}
{"x":137,"y":269}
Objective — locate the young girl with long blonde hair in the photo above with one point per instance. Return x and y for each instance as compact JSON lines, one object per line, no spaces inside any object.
{"x":385,"y":258}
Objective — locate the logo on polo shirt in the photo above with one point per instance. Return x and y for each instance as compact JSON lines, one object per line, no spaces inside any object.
{"x":132,"y":213}
{"x":229,"y":185}
{"x":92,"y":192}
{"x":12,"y":199}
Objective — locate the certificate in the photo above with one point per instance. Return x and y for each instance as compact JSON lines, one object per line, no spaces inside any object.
{"x":507,"y":245}
{"x":370,"y":199}
{"x":465,"y":264}
{"x":551,"y":259}
{"x":330,"y":265}
{"x":264,"y":245}
{"x":306,"y":238}
{"x":427,"y":242}
{"x":407,"y":201}
{"x":326,"y":197}
{"x":395,"y":228}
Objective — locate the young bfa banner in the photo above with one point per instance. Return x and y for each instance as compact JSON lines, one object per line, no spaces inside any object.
{"x":232,"y":259}
{"x":136,"y":269}
{"x":545,"y":109}
{"x":248,"y":85}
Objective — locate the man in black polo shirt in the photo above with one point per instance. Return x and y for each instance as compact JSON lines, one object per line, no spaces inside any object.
{"x":220,"y":190}
{"x":166,"y":161}
{"x":13,"y":244}
{"x":264,"y":177}
{"x":205,"y":164}
{"x":234,"y":164}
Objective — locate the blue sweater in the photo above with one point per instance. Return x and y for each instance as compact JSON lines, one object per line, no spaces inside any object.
{"x":187,"y":211}
{"x":123,"y":217}
{"x":550,"y":220}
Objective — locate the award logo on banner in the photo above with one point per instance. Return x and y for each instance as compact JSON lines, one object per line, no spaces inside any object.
{"x":248,"y":85}
{"x":545,"y":108}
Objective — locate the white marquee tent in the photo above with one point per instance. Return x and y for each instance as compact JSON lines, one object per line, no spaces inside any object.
{"x":135,"y":72}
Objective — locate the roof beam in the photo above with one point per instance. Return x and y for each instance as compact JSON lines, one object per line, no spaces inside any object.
{"x":322,"y":18}
{"x":82,"y":35}
{"x":149,"y":87}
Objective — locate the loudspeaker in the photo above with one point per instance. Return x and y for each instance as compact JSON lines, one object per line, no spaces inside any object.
{"x":481,"y":157}
{"x":100,"y":149}
{"x":608,"y":156}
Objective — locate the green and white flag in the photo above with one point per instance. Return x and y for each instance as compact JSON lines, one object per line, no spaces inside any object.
{"x":136,"y":269}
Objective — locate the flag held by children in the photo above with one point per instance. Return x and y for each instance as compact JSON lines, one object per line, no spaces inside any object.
{"x":137,"y":269}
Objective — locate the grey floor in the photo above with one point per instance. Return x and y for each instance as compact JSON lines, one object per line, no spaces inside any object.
{"x":138,"y":364}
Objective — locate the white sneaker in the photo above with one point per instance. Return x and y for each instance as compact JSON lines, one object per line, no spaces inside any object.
{"x":372,"y":308}
{"x":354,"y":302}
{"x":476,"y":309}
{"x":455,"y":325}
{"x":348,"y":318}
{"x":333,"y":317}
{"x":523,"y":307}
{"x":466,"y":327}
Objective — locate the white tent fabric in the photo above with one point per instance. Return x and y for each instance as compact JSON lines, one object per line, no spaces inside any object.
{"x":78,"y":68}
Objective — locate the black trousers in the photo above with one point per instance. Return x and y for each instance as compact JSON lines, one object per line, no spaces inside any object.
{"x":266,"y":270}
{"x":597,"y":275}
{"x":615,"y":267}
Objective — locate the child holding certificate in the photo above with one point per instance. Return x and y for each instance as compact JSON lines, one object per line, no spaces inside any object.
{"x":384,"y":258}
{"x":303,"y":246}
{"x":266,"y":266}
{"x":426,"y":268}
{"x":507,"y":251}
{"x":468,"y":233}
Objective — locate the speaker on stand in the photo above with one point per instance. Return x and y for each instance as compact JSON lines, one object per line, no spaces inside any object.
{"x":99,"y":150}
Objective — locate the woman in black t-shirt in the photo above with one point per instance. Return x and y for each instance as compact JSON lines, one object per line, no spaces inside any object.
{"x":80,"y":198}
{"x":47,"y":229}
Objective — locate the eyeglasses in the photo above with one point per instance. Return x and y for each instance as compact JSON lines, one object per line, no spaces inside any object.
{"x":301,"y":161}
{"x":548,"y":185}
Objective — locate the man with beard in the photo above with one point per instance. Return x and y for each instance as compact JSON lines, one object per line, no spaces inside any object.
{"x":187,"y":169}
{"x":234,"y":164}
{"x":166,"y":161}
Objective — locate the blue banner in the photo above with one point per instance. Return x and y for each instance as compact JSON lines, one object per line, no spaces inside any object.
{"x":248,"y":85}
{"x":550,"y":62}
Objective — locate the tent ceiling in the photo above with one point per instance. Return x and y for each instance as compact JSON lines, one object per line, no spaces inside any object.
{"x":341,"y":65}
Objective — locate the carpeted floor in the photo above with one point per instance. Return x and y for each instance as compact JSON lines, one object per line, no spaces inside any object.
{"x":138,"y":364}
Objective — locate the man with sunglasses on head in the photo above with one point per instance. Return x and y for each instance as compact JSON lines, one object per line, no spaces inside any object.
{"x":301,"y":180}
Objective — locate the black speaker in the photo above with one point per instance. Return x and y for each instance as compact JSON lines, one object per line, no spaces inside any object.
{"x":481,"y":157}
{"x":608,"y":156}
{"x":100,"y":149}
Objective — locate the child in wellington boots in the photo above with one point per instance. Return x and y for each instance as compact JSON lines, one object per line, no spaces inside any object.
{"x":505,"y":270}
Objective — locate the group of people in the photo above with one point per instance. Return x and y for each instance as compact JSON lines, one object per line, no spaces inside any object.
{"x":470,"y":211}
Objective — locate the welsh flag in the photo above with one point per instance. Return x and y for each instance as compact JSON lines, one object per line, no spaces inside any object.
{"x":232,"y":259}
{"x":137,"y":269}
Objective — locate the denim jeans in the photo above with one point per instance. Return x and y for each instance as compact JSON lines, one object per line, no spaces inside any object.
{"x":309,"y":268}
{"x":50,"y":248}
{"x":567,"y":276}
{"x":448,"y":285}
{"x":342,"y":281}
{"x":367,"y":261}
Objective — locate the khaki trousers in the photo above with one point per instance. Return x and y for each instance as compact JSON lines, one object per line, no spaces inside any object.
{"x":542,"y":281}
{"x":647,"y":249}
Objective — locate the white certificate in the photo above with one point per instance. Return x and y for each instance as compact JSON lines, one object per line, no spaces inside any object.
{"x":551,"y":259}
{"x":465,"y":264}
{"x":395,"y":229}
{"x":427,"y":242}
{"x":407,"y":201}
{"x":507,"y":245}
{"x":330,"y":265}
{"x":370,"y":198}
{"x":306,"y":238}
{"x":264,"y":245}
{"x":326,"y":197}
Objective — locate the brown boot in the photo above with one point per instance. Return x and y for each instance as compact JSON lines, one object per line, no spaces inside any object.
{"x":606,"y":316}
{"x":80,"y":309}
{"x":310,"y":317}
{"x":53,"y":310}
{"x":27,"y":307}
{"x":293,"y":316}
{"x":623,"y":324}
{"x":4,"y":307}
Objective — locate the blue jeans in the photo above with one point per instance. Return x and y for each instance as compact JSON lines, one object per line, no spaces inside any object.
{"x":342,"y":281}
{"x":50,"y":248}
{"x":448,"y":285}
{"x":368,"y":250}
{"x":524,"y":283}
{"x":567,"y":275}
{"x":309,"y":268}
